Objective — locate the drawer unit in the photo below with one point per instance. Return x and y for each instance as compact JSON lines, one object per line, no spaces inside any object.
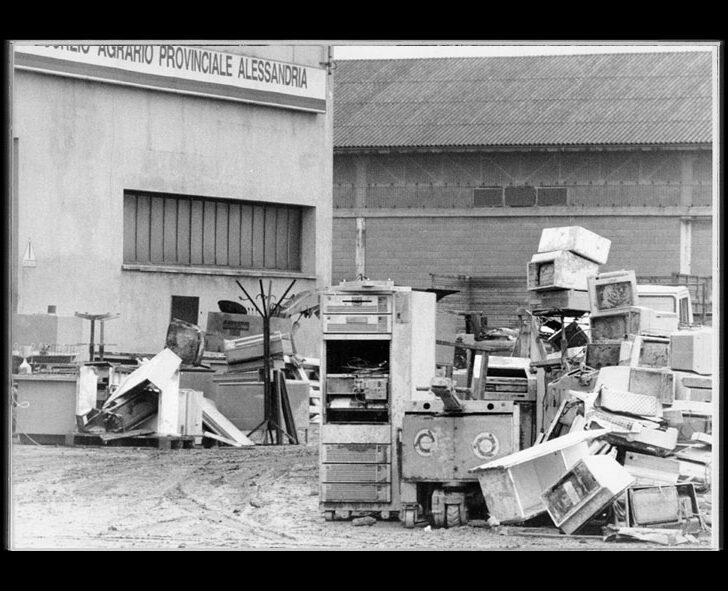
{"x":356,"y":304}
{"x":357,"y":323}
{"x":369,"y":473}
{"x":356,"y":492}
{"x":371,"y":387}
{"x":355,"y":453}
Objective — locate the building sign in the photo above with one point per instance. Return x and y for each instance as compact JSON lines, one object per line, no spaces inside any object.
{"x":184,"y":69}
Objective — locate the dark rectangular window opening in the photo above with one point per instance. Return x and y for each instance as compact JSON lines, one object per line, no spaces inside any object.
{"x":185,"y":308}
{"x":186,"y":230}
{"x":488,"y":197}
{"x":520,"y":196}
{"x":552,"y":196}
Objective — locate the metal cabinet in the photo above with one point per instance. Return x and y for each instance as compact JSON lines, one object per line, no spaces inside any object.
{"x":378,"y":346}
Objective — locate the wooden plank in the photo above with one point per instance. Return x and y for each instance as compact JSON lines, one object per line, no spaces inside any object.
{"x":123,"y":435}
{"x":218,"y":422}
{"x":472,"y":346}
{"x":225,"y":440}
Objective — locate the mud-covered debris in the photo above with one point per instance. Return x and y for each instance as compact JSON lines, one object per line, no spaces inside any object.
{"x":368,"y":520}
{"x":478,"y":523}
{"x":492,"y":522}
{"x":112,"y":528}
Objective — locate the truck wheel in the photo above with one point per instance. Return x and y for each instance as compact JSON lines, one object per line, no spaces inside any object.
{"x":385,"y":515}
{"x":328,"y":515}
{"x":409,"y":518}
{"x":452,"y":515}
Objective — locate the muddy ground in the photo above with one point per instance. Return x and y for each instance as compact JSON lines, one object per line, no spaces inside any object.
{"x":265,"y":497}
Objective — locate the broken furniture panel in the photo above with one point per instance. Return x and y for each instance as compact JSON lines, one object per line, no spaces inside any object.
{"x":559,"y":269}
{"x":659,"y":442}
{"x":585,"y":491}
{"x":512,"y":485}
{"x":87,"y":390}
{"x":190,"y":412}
{"x":576,"y":239}
{"x":128,"y":410}
{"x":220,"y":425}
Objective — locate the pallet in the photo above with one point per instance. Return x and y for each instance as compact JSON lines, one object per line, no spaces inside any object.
{"x":76,"y":439}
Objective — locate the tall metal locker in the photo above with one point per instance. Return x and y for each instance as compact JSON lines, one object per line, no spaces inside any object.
{"x":378,"y":346}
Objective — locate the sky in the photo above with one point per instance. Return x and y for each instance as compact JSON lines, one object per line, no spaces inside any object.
{"x":460,"y":49}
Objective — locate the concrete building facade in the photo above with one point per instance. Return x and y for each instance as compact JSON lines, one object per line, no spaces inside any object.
{"x":447,"y":170}
{"x":148,"y":179}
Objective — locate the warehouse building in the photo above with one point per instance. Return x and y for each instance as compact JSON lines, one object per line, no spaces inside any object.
{"x":147,"y":179}
{"x":446,"y":170}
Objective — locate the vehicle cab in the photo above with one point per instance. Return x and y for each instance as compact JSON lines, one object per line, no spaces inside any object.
{"x":667,"y":298}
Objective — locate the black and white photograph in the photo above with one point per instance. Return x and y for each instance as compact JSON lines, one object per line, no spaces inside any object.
{"x":386,"y":295}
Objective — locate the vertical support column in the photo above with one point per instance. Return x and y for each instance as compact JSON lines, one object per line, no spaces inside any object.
{"x":686,"y":244}
{"x":686,"y":200}
{"x":360,"y":203}
{"x":360,"y":251}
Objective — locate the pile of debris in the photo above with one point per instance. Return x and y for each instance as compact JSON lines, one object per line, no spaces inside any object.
{"x":149,"y":401}
{"x":628,"y":448}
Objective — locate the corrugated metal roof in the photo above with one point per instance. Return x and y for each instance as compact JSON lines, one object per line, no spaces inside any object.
{"x":607,"y":99}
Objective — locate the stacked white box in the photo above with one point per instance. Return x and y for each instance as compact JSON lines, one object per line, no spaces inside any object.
{"x":692,"y":350}
{"x":560,"y":269}
{"x":576,"y":239}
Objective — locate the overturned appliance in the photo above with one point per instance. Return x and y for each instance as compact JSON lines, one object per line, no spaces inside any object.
{"x":442,"y":439}
{"x":152,"y":389}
